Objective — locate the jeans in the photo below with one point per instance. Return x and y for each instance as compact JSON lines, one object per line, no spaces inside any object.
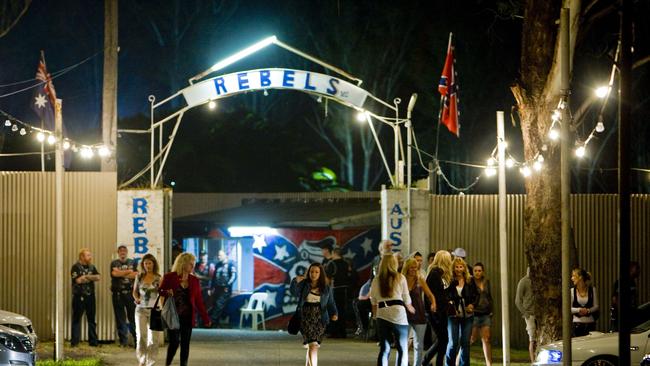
{"x":124,"y":310}
{"x":388,"y":331}
{"x":221,"y":295}
{"x":459,"y":330}
{"x":83,"y":304}
{"x":418,"y":342}
{"x":146,"y":339}
{"x":438,"y":323}
{"x":180,"y":337}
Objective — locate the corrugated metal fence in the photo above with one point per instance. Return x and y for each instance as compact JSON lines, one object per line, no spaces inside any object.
{"x":471,"y":222}
{"x":27,"y":243}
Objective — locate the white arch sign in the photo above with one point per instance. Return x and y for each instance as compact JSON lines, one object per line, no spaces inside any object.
{"x":261,"y":79}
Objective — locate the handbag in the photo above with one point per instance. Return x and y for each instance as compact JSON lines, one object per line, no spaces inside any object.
{"x":169,"y":314}
{"x":294,"y":323}
{"x":155,"y":320}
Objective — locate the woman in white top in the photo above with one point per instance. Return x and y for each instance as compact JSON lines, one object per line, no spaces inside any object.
{"x":145,"y":293}
{"x":389,"y":296}
{"x":584,"y":303}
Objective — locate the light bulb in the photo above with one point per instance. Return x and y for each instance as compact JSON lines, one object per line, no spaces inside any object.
{"x":66,"y":145}
{"x":503,"y":144}
{"x":601,"y":92}
{"x":40,"y":136}
{"x":361,"y":116}
{"x":556,"y":115}
{"x":600,"y":127}
{"x":461,"y":193}
{"x":537,"y":165}
{"x":23,"y":132}
{"x":490,"y":172}
{"x":580,"y":151}
{"x":510,"y":163}
{"x":86,"y":152}
{"x":103,"y":151}
{"x":14,"y":128}
{"x":212,"y":104}
{"x":7,"y":123}
{"x":491,"y":162}
{"x":553,"y":134}
{"x":525,"y":171}
{"x":540,"y":158}
{"x":51,"y":139}
{"x":266,"y":93}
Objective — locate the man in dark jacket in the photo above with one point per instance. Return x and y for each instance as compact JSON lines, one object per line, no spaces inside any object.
{"x":224,"y":277}
{"x":339,"y":271}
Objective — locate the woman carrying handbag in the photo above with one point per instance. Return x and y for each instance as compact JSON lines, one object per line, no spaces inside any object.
{"x":145,"y":293}
{"x":315,"y":306}
{"x":181,"y":286}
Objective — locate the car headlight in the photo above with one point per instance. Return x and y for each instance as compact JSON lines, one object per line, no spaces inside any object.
{"x":9,"y":341}
{"x":549,"y":356}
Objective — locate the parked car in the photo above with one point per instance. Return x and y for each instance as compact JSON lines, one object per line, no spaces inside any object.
{"x":16,"y":348}
{"x":19,"y":323}
{"x":646,"y":360}
{"x":598,"y":349}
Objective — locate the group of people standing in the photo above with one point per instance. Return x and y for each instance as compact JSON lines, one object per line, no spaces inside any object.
{"x":445,"y":298}
{"x":136,"y":291}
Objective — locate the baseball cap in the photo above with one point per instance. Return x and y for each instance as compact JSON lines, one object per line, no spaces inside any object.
{"x":459,"y":252}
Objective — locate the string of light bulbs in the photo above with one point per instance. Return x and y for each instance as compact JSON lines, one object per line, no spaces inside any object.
{"x":21,"y":128}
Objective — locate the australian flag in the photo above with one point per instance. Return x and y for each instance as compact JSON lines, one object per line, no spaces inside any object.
{"x":448,"y":90}
{"x":44,"y":97}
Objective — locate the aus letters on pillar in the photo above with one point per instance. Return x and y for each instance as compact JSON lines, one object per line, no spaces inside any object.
{"x":396,"y":223}
{"x":140,"y":213}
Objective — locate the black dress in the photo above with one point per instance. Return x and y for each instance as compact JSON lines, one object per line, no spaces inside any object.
{"x":311,"y":326}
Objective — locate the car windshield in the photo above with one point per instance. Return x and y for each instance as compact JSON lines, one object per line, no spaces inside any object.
{"x":643,"y":327}
{"x":17,"y":327}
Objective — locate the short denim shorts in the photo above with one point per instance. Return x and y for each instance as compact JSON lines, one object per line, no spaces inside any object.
{"x":482,"y":320}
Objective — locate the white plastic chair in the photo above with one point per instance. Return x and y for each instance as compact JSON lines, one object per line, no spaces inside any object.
{"x":254,"y":308}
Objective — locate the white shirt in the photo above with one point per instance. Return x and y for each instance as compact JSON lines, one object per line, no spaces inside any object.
{"x":148,"y":292}
{"x":582,"y":300}
{"x":395,"y":314}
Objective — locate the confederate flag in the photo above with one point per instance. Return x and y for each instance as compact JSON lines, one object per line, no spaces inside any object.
{"x":448,"y":91}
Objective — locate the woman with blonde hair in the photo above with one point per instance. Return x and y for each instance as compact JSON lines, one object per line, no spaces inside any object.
{"x":438,"y":279}
{"x":462,"y":298}
{"x":181,"y":286}
{"x":389,"y":296}
{"x":145,"y":290}
{"x":584,"y":303}
{"x":417,"y":286}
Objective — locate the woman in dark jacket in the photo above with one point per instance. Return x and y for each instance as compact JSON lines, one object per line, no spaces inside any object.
{"x":438,"y":279}
{"x":316,"y":306}
{"x":462,"y":298}
{"x":181,"y":286}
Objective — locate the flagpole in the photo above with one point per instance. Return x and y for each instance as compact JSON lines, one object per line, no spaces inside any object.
{"x":442,"y":100}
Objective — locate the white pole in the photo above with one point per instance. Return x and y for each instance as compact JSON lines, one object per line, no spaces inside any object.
{"x":152,"y":99}
{"x":396,"y":151}
{"x":409,"y":141}
{"x":503,"y":241}
{"x":58,"y":160}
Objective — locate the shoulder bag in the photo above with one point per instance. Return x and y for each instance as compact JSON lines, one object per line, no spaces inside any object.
{"x":155,"y":320}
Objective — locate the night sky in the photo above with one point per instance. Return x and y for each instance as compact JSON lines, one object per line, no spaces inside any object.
{"x":257,"y":143}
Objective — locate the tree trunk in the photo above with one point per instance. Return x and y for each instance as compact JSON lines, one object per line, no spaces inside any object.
{"x":537,"y":93}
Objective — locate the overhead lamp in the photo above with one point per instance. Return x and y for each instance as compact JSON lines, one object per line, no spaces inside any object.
{"x":66,"y":145}
{"x":525,"y":171}
{"x":240,"y":231}
{"x":212,"y":104}
{"x":361,"y":116}
{"x":23,"y":132}
{"x":7,"y":123}
{"x":600,"y":127}
{"x":601,"y":92}
{"x":236,"y":57}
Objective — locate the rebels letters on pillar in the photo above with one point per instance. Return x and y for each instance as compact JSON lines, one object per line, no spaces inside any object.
{"x":140,"y":222}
